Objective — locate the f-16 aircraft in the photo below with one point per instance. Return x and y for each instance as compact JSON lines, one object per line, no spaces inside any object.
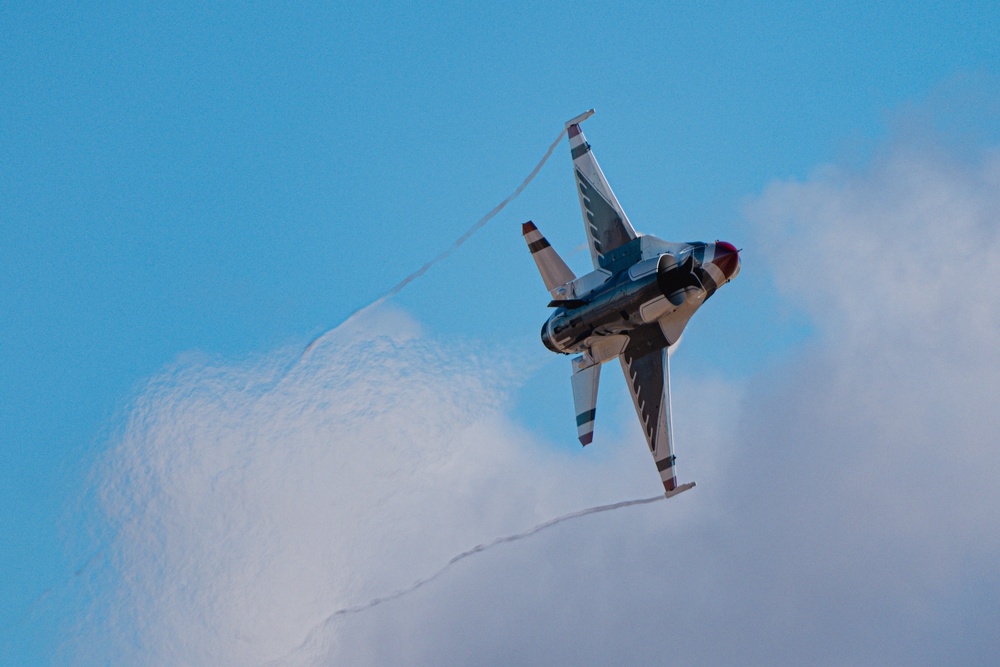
{"x":633,"y":306}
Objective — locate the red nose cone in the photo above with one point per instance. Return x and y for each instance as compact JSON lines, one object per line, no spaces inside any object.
{"x":727,"y":258}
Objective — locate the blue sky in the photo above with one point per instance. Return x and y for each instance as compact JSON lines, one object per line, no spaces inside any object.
{"x":220,"y":182}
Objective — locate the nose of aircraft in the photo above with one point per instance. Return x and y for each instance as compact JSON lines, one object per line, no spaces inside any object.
{"x":727,"y":258}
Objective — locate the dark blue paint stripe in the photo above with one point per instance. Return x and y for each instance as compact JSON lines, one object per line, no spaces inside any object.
{"x":540,"y":244}
{"x":666,"y":463}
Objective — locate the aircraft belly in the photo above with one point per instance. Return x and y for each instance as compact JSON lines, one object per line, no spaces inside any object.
{"x":624,"y":303}
{"x":651,"y":311}
{"x":605,"y":348}
{"x":615,"y":310}
{"x":672,"y":325}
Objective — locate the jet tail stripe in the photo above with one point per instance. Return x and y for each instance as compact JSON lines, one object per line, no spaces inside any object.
{"x":550,"y":265}
{"x":540,"y":244}
{"x":585,"y":417}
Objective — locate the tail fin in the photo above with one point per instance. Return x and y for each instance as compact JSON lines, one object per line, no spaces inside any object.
{"x":554,"y":271}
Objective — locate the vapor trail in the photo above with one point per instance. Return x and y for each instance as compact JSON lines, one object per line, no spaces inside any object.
{"x":479,"y":548}
{"x":479,"y":224}
{"x":100,"y":554}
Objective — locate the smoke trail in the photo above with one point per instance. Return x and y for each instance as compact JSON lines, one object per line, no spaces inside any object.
{"x":99,"y":555}
{"x":479,"y":224}
{"x":479,"y":548}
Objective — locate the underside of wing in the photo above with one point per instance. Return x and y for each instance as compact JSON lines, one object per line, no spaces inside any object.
{"x":605,"y":222}
{"x":648,"y":375}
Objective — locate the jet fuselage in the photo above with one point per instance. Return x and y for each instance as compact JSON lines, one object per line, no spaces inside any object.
{"x":667,"y":288}
{"x":632,"y":307}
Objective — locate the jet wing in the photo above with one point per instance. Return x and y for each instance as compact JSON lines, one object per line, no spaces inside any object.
{"x":648,"y":376}
{"x":605,"y":222}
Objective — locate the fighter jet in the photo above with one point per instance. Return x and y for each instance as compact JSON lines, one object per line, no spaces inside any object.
{"x":633,"y":306}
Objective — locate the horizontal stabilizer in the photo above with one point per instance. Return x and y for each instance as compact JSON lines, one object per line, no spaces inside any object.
{"x":554,"y":271}
{"x":585,"y":380}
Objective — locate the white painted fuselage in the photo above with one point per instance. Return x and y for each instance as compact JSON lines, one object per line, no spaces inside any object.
{"x":666,"y":289}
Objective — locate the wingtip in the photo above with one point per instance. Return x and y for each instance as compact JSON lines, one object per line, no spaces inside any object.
{"x":579,"y":119}
{"x":680,"y":489}
{"x":528,"y":226}
{"x":586,"y":439}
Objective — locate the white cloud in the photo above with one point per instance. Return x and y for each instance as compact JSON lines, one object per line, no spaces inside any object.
{"x":258,"y":498}
{"x":880,"y":447}
{"x":847,"y":515}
